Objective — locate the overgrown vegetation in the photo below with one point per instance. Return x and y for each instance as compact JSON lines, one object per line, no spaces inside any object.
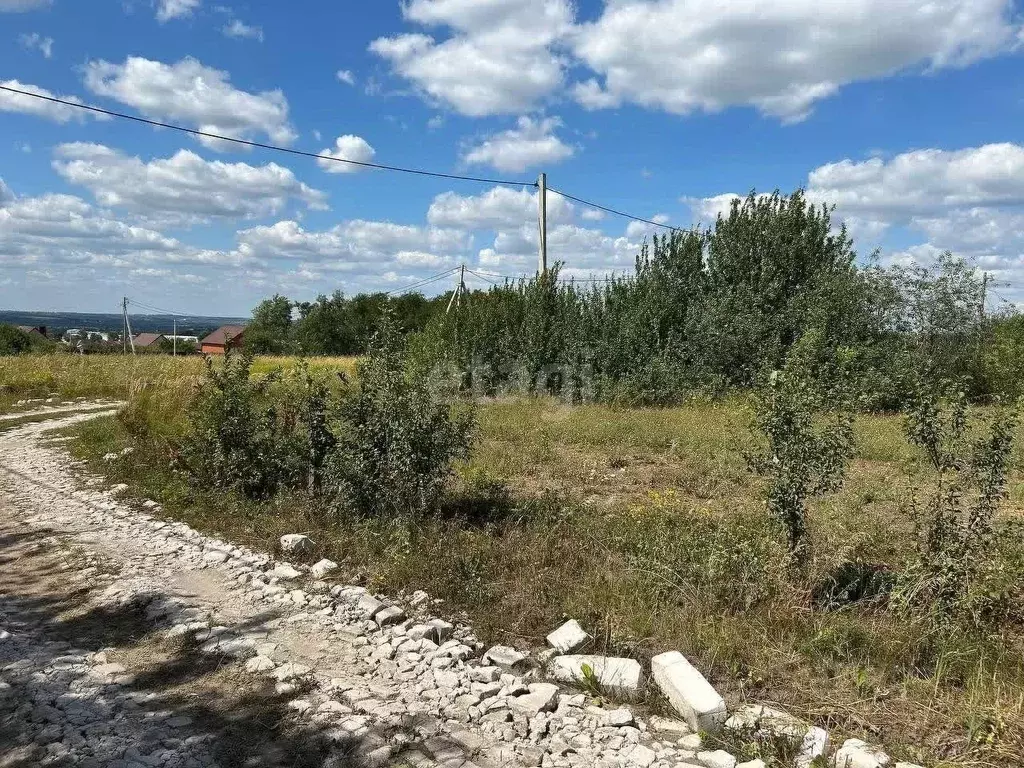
{"x":383,"y":445}
{"x":711,"y":309}
{"x":902,"y":620}
{"x":646,"y":526}
{"x":15,"y":341}
{"x":333,"y":325}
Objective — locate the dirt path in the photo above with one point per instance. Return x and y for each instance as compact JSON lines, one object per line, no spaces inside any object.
{"x":56,"y":410}
{"x":129,"y":641}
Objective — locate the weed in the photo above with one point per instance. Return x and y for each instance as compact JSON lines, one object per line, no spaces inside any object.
{"x":956,"y":573}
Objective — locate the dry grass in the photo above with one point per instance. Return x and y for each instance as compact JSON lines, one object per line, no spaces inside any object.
{"x":70,"y":376}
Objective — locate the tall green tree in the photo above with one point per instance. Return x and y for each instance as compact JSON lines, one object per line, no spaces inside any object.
{"x":270,"y":331}
{"x":770,"y":261}
{"x":325,"y":327}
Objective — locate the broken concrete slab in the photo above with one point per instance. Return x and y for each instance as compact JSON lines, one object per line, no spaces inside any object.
{"x":690,"y":694}
{"x":568,"y":638}
{"x":615,"y":676}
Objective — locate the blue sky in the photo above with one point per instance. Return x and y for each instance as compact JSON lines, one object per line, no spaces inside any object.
{"x":905,"y":115}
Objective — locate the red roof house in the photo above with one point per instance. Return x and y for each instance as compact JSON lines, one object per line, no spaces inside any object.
{"x":225,"y":337}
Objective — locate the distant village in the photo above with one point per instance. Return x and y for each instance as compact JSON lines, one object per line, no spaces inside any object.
{"x":96,"y":341}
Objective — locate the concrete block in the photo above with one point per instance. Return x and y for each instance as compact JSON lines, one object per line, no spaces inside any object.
{"x":615,"y":676}
{"x":296,"y":543}
{"x":688,"y":691}
{"x":568,"y":638}
{"x":859,"y":754}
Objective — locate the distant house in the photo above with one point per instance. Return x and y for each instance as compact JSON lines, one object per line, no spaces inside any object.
{"x":144,"y":340}
{"x":224,"y":338}
{"x":80,"y":334}
{"x":34,"y":330}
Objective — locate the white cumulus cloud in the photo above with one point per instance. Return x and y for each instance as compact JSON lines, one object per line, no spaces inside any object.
{"x":236,"y":28}
{"x":498,"y":208}
{"x":184,"y":188}
{"x":638,"y":230}
{"x":64,"y":229}
{"x":175,"y":9}
{"x":924,"y":181}
{"x":190,"y":92}
{"x":17,"y":6}
{"x":779,"y":56}
{"x":499,"y":57}
{"x":348,"y":147}
{"x":35,"y":41}
{"x":354,"y":246}
{"x":61,"y":113}
{"x":531,"y":143}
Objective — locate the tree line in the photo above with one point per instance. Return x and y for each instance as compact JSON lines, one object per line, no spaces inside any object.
{"x":707,"y":309}
{"x":333,"y":325}
{"x":716,"y":308}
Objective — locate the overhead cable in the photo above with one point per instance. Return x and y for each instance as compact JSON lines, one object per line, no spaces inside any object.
{"x":260,"y":144}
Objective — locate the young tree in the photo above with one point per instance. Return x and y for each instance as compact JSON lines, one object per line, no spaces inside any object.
{"x":953,"y":573}
{"x":770,"y":262}
{"x":808,"y":444}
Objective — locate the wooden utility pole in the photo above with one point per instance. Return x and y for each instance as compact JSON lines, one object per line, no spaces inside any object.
{"x":542,"y":221}
{"x":128,"y":326}
{"x":124,"y":325}
{"x":984,"y":291}
{"x":457,"y":293}
{"x":174,"y":338}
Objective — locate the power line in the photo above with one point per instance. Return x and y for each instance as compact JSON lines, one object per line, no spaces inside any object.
{"x":1001,"y":297}
{"x":612,"y":210}
{"x":425,"y":281}
{"x":261,"y":145}
{"x":607,"y":279}
{"x":482,"y":277}
{"x":156,"y":309}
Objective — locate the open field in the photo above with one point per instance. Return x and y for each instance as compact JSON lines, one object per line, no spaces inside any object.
{"x":646,"y":526}
{"x":69,"y":376}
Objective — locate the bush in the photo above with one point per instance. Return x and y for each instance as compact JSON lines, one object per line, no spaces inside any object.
{"x":398,"y":438}
{"x":14,"y":341}
{"x":235,"y":439}
{"x":966,"y":568}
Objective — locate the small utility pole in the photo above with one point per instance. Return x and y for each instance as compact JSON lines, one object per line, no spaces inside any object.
{"x":124,"y":325}
{"x":984,"y":291}
{"x":457,"y":293}
{"x":174,"y":338}
{"x":128,"y":326}
{"x":542,"y":221}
